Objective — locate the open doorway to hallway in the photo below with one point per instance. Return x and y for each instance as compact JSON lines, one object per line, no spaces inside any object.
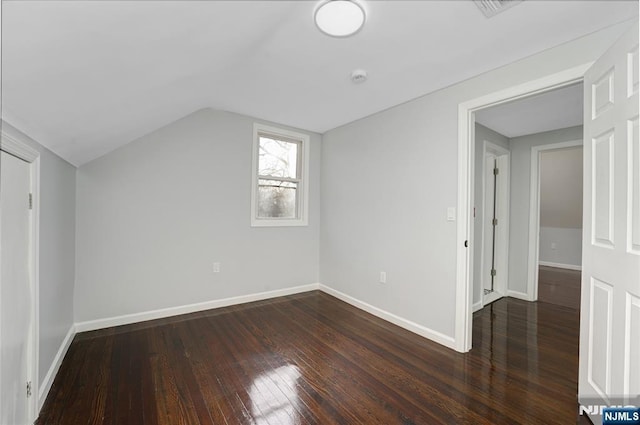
{"x":507,"y":225}
{"x":530,"y":199}
{"x":610,"y":261}
{"x":560,"y":225}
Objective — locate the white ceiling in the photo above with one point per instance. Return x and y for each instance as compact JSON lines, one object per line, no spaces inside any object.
{"x":84,"y":77}
{"x":548,"y":111}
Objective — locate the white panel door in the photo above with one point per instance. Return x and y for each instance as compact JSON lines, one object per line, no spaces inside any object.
{"x":15,"y":297}
{"x":487,"y":214}
{"x":610,"y":304}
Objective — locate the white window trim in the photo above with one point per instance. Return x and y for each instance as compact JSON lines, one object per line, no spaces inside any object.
{"x":303,"y":198}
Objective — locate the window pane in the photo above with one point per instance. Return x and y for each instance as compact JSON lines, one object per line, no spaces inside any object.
{"x":277,"y":158}
{"x":277,"y":199}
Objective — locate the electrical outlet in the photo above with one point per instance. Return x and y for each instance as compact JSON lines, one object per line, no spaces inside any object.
{"x":216,"y":267}
{"x":383,"y":277}
{"x":553,"y":245}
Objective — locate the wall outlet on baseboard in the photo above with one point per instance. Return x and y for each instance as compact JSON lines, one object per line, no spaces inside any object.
{"x":216,"y":267}
{"x":383,"y":277}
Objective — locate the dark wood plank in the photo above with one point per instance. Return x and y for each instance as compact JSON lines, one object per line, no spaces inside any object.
{"x":312,"y":359}
{"x":559,"y":286}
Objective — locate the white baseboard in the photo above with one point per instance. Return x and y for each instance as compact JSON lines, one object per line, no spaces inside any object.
{"x":423,"y":331}
{"x":420,"y":330}
{"x":47,"y":382}
{"x":127,"y":319}
{"x":207,"y":305}
{"x":520,"y":295}
{"x":477,"y":306}
{"x":560,"y":265}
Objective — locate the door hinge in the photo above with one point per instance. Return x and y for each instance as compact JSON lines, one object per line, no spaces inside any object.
{"x":31,"y":201}
{"x":495,"y":222}
{"x":496,"y":171}
{"x":29,"y":389}
{"x":493,"y":272}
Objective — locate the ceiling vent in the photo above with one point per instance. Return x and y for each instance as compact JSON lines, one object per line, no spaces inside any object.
{"x":492,"y":7}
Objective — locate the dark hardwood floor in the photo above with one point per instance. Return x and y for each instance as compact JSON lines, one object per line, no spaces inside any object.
{"x":559,"y":286}
{"x":312,"y":359}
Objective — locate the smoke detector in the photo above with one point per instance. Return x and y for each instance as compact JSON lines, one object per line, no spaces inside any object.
{"x":491,"y":8}
{"x":359,"y":76}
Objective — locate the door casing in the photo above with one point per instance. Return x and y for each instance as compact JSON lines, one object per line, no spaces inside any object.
{"x":502,"y":210}
{"x":466,"y":155}
{"x":534,"y":214}
{"x":22,"y":150}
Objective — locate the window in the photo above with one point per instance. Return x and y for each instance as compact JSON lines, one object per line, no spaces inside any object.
{"x":280,"y":177}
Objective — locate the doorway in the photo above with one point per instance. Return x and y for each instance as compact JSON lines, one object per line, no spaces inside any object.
{"x":555,"y":247}
{"x":610,"y":263}
{"x":19,"y":169}
{"x":508,"y":224}
{"x":491,"y":247}
{"x":466,"y":201}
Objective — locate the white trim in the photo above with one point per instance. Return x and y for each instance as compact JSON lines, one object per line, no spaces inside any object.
{"x":35,"y":267}
{"x":464,"y":229}
{"x":519,"y":295}
{"x":492,"y":297}
{"x":534,"y":213}
{"x":560,"y":265}
{"x":477,"y":306}
{"x":503,"y":155}
{"x":192,"y":308}
{"x":16,"y":146}
{"x":303,"y":188}
{"x":420,"y":330}
{"x":47,"y":382}
{"x":126,"y":319}
{"x":91,"y":325}
{"x":504,"y":163}
{"x":466,"y":149}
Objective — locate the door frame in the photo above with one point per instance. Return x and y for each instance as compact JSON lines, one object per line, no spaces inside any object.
{"x":534,"y":213}
{"x":466,"y":155}
{"x":503,"y":204}
{"x":12,"y":144}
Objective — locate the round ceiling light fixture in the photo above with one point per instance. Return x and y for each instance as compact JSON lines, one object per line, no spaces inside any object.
{"x":340,"y":18}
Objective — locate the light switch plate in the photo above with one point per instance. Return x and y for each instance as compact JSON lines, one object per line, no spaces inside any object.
{"x":451,"y":214}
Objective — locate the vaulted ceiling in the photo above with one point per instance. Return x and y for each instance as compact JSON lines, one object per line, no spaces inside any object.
{"x":85,"y":77}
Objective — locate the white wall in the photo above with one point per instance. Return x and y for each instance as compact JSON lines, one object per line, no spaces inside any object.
{"x":155,"y":214}
{"x":561,"y":188}
{"x":520,"y":199}
{"x":482,"y":133}
{"x":388,"y":179}
{"x":57,"y":249}
{"x":568,"y":246}
{"x":561,"y":206}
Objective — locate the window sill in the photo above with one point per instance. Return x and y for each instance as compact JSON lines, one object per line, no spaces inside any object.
{"x":278,"y":223}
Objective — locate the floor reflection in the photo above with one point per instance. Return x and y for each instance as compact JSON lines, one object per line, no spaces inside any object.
{"x":523,"y":347}
{"x":274,"y":397}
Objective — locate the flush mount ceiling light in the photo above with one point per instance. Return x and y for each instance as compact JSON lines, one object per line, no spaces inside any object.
{"x":339,"y":18}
